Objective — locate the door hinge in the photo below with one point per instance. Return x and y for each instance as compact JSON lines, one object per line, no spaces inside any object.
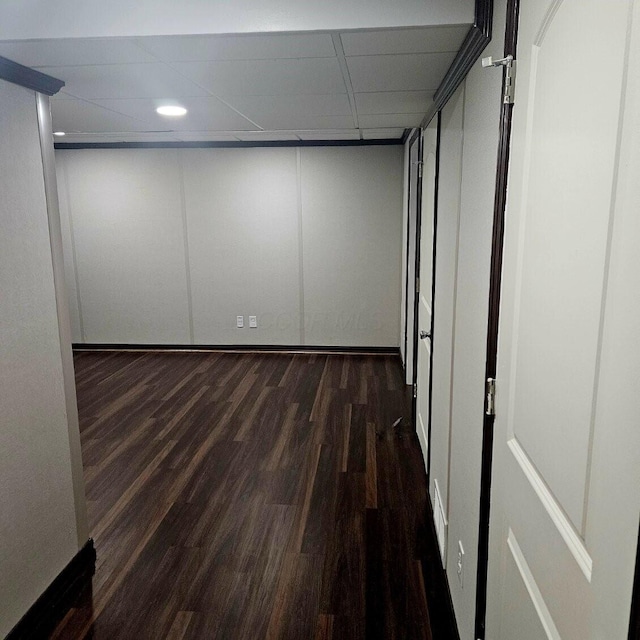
{"x":509,"y":64}
{"x":415,"y":390}
{"x":417,"y":284}
{"x":491,"y":397}
{"x":420,"y":169}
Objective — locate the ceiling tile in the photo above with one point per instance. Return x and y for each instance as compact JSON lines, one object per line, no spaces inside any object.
{"x":418,"y":72}
{"x":204,"y":114}
{"x":117,"y":137}
{"x":353,"y":134}
{"x":76,"y":51}
{"x":241,"y":47}
{"x":388,"y":121}
{"x":154,"y":80}
{"x":382,"y":134}
{"x":266,"y":77}
{"x":80,"y":116}
{"x":267,"y":109}
{"x":393,"y":102}
{"x":306,"y":122}
{"x":251,"y":136}
{"x":206,"y":136}
{"x":391,"y":41}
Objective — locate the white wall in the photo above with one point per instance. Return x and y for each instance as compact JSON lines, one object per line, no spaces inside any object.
{"x":462,"y":296}
{"x":170,"y":245}
{"x":444,"y":304}
{"x":352,"y":235}
{"x":242,"y":216}
{"x":96,"y":18}
{"x":40,"y":529}
{"x":128,"y":245}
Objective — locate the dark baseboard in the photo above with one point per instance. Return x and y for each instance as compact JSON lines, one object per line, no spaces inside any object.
{"x":236,"y":348}
{"x":441,"y":613}
{"x":53,"y":604}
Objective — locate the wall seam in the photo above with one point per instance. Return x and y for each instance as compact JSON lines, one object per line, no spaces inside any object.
{"x":300,"y":243}
{"x":185,"y":236}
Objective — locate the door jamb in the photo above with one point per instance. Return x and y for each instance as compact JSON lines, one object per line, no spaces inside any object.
{"x":497,"y":245}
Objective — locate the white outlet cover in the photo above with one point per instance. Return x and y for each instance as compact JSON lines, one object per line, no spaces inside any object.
{"x":253,"y":322}
{"x":239,"y":322}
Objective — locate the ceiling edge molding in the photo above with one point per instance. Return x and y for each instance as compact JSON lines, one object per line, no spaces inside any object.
{"x":477,"y":39}
{"x":28,"y":77}
{"x":211,"y":144}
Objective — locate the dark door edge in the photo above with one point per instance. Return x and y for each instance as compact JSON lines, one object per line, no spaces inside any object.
{"x":495,"y":284}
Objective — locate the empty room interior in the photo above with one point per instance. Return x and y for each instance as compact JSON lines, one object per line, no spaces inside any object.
{"x":318,"y":321}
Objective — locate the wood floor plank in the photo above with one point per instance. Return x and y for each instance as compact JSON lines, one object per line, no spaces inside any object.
{"x":251,"y":496}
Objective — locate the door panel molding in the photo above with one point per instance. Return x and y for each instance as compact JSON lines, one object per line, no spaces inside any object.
{"x":566,"y":529}
{"x":548,"y":246}
{"x":544,"y":615}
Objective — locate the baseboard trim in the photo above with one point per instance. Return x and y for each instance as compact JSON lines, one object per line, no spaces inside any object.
{"x":441,"y":613}
{"x":253,"y":348}
{"x":53,"y":604}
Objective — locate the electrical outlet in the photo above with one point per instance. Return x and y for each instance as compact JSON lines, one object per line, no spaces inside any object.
{"x":460,"y":564}
{"x":239,"y":322}
{"x":253,"y":322}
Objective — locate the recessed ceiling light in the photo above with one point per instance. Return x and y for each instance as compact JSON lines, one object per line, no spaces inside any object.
{"x":171,"y":110}
{"x":59,"y":133}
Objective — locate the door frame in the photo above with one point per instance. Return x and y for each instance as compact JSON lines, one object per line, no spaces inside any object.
{"x":416,"y":318}
{"x":495,"y":286}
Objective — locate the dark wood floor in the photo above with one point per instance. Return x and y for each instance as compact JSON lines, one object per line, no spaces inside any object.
{"x":251,"y":496}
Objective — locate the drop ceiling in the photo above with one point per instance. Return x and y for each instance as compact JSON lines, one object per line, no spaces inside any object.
{"x":366,"y":84}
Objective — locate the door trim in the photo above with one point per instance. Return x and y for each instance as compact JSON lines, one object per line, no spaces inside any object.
{"x":495,"y":283}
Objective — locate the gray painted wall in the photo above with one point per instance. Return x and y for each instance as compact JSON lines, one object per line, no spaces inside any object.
{"x":170,"y":245}
{"x":36,"y":466}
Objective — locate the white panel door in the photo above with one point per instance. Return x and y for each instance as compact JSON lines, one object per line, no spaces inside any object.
{"x":409,"y":329}
{"x":547,"y":561}
{"x":425,"y":274}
